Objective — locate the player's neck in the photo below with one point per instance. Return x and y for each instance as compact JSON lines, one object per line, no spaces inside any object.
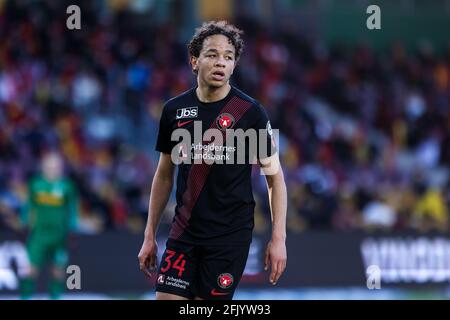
{"x":51,"y":179}
{"x":210,"y":94}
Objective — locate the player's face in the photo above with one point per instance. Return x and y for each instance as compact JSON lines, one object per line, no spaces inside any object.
{"x":216,"y":62}
{"x":52,"y":166}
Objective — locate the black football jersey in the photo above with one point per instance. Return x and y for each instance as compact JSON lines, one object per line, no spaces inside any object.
{"x":214,"y":199}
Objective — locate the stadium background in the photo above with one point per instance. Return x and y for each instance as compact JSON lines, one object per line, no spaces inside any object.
{"x":364,"y":123}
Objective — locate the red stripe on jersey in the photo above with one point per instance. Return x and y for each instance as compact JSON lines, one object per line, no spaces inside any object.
{"x":198,"y":174}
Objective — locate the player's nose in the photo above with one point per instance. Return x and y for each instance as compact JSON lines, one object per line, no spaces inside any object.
{"x":220,"y":62}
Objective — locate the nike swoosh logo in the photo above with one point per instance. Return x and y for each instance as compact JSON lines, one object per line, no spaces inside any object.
{"x":182,"y":124}
{"x":214,"y":292}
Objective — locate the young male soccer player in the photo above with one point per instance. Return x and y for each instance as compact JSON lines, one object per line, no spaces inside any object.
{"x":211,"y":232}
{"x":51,"y":215}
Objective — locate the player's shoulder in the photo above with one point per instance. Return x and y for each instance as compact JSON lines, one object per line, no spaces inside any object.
{"x":35,"y":182}
{"x":35,"y":179}
{"x":67,"y":182}
{"x":179,"y":100}
{"x":244,"y":96}
{"x":256,"y":105}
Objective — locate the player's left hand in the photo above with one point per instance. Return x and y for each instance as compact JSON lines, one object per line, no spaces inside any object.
{"x":148,"y":256}
{"x":276,"y":257}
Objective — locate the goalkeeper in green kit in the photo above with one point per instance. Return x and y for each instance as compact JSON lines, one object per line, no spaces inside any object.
{"x":51,"y":214}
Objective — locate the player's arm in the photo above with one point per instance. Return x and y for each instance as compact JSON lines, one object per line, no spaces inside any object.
{"x":159,"y":195}
{"x":27,"y":211}
{"x":276,"y":255}
{"x":74,"y":207}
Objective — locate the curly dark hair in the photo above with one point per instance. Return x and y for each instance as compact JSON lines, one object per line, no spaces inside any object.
{"x":211,"y":28}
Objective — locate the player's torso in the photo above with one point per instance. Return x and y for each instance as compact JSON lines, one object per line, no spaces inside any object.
{"x":49,"y":200}
{"x":207,"y":127}
{"x":213,"y":184}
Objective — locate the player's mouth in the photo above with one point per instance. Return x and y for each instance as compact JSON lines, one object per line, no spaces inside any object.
{"x":218,"y":75}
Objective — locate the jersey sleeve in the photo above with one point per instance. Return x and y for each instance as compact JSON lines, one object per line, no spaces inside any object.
{"x":27,"y":209}
{"x":266,"y":137}
{"x":163,"y":142}
{"x":73,"y":206}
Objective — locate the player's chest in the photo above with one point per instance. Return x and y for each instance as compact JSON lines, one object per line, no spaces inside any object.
{"x":50,"y":195}
{"x":199,"y":119}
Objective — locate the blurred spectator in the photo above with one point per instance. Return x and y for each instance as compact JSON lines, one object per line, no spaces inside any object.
{"x":377,"y":214}
{"x":347,"y":216}
{"x":430,"y":211}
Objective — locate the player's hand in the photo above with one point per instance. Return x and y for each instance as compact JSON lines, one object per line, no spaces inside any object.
{"x":147,"y":257}
{"x":276,"y":257}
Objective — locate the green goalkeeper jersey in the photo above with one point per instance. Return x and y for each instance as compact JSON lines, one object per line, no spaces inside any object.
{"x":52,"y":207}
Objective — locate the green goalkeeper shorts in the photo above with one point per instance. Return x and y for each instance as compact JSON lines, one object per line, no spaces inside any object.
{"x":43,"y":249}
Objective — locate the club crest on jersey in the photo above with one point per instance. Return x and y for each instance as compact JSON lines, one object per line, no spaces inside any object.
{"x":225,"y":121}
{"x":187,"y":113}
{"x":225,"y":280}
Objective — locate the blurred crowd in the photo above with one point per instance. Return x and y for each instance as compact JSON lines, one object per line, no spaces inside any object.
{"x":364,"y":134}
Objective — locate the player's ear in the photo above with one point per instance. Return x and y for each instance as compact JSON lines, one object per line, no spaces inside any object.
{"x":194,"y":64}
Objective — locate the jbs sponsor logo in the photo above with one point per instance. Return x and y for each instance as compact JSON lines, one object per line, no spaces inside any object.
{"x":187,"y":113}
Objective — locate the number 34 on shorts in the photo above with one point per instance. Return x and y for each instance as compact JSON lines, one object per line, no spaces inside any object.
{"x":178,"y":264}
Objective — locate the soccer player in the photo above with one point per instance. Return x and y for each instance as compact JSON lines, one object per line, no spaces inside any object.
{"x":211,"y":232}
{"x":51,"y":214}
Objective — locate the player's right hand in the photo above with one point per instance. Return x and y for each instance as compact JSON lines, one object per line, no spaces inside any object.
{"x":148,"y":256}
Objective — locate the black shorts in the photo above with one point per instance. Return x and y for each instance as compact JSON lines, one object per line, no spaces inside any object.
{"x":207,"y":272}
